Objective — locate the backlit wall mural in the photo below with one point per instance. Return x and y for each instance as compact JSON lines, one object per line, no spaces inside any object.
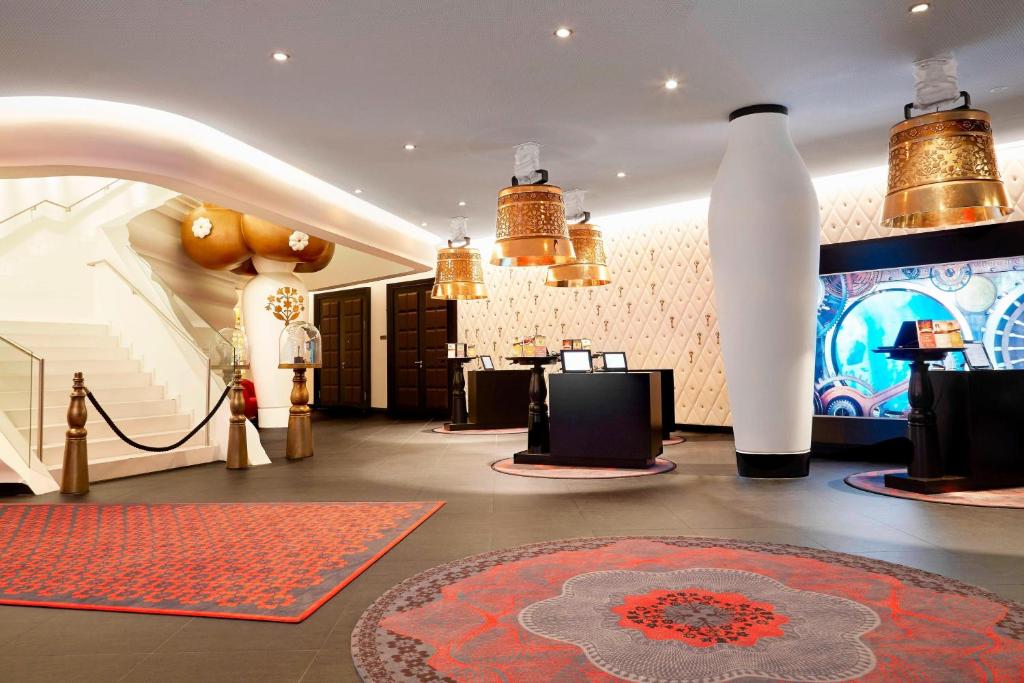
{"x":858,"y":312}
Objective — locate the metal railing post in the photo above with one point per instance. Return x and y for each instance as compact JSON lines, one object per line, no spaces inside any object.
{"x":74,"y":477}
{"x":42,"y":403}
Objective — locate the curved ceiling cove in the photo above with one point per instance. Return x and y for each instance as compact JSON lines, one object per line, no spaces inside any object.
{"x":48,"y":136}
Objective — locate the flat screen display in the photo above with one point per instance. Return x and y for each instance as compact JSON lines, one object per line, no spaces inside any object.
{"x":977,"y":356}
{"x":614,"y":361}
{"x":577,"y":361}
{"x":486,"y":362}
{"x":858,"y":312}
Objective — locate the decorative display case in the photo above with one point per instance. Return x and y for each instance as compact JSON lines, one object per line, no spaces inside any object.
{"x":299,"y":346}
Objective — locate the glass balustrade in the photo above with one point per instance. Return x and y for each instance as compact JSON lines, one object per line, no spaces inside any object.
{"x":21,"y":399}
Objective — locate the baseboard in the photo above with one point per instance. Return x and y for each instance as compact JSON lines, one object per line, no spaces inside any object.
{"x":703,"y":429}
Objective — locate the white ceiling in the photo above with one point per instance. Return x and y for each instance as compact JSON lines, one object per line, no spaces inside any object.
{"x":466,"y":80}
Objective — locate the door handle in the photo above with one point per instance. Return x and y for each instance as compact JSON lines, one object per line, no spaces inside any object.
{"x":418,"y":363}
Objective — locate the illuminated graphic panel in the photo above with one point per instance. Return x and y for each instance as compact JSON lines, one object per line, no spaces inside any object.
{"x":858,"y":312}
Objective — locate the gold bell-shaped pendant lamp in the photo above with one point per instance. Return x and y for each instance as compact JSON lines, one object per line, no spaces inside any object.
{"x":590,"y":267}
{"x":942,"y":165}
{"x":531,"y":228}
{"x":459,"y":274}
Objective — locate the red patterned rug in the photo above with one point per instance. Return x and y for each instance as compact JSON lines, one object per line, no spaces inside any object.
{"x":874,"y":482}
{"x":509,"y":466}
{"x":657,"y":609}
{"x":261,"y":561}
{"x":509,"y":430}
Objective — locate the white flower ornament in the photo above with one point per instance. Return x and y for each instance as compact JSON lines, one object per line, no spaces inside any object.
{"x":201,"y":227}
{"x":298,"y":241}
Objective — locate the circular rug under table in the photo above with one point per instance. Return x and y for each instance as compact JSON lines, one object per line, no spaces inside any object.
{"x":509,"y":466}
{"x":874,"y":482}
{"x":680,"y":609}
{"x":510,"y":430}
{"x":673,"y":441}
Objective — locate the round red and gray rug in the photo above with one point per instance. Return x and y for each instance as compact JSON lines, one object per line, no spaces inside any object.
{"x":468,"y":432}
{"x":542,"y":471}
{"x":874,"y":482}
{"x":676,"y":609}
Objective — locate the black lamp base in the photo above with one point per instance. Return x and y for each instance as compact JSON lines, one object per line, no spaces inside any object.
{"x":773,"y":465}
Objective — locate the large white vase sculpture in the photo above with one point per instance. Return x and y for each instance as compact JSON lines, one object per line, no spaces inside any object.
{"x":269,"y":301}
{"x":764,"y":239}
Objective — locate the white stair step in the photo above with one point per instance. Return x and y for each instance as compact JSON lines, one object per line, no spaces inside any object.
{"x":99,"y":429}
{"x":67,"y":368}
{"x":87,"y":354}
{"x":41,"y":343}
{"x":97,"y":382}
{"x":11,"y":328}
{"x":108,"y":447}
{"x":54,"y":413}
{"x":58,"y":398}
{"x":140,"y":462}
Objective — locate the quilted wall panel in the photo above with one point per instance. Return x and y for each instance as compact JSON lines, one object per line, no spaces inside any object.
{"x":660,"y":307}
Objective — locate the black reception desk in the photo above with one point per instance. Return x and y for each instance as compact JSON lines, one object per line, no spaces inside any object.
{"x":605,"y":419}
{"x":498,"y":399}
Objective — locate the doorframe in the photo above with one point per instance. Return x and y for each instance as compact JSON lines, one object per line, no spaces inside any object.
{"x":453,"y":333}
{"x":364,"y":294}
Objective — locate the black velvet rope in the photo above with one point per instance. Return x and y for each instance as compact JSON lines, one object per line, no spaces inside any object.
{"x":155,"y":449}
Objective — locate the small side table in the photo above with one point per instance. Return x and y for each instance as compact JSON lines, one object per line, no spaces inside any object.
{"x":459,"y":415}
{"x":538,"y":430}
{"x":926,"y":473}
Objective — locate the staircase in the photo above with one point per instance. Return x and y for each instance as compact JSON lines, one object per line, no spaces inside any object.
{"x":138,"y":406}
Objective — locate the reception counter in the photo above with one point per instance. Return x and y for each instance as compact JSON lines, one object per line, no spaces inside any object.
{"x":980,"y":428}
{"x":498,"y":399}
{"x":607,"y":419}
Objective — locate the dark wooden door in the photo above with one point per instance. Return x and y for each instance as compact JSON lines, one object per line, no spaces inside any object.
{"x":419,"y":329}
{"x":344,"y":322}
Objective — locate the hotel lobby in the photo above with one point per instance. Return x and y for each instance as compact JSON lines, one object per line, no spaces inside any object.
{"x":512,"y":341}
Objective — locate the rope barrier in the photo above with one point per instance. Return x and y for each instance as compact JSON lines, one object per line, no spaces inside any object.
{"x":154,"y":449}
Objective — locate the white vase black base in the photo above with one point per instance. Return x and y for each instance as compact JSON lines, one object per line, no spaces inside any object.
{"x":773,"y":465}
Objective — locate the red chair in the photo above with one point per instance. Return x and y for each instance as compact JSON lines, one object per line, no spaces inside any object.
{"x":249,"y":393}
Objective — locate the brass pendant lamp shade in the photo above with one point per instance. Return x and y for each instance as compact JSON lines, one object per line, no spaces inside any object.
{"x":531,"y":227}
{"x":942,"y":170}
{"x":459,"y":274}
{"x":590,"y":268}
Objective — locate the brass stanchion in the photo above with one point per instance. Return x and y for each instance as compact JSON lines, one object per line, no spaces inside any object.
{"x":74,"y":476}
{"x":300,"y":425}
{"x":238,"y":449}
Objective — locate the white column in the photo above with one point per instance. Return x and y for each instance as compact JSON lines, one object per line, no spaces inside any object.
{"x":763,"y":228}
{"x":263,"y":331}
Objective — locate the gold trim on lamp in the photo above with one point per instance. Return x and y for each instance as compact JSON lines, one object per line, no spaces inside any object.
{"x":942,"y":170}
{"x":590,"y":268}
{"x":459,"y":274}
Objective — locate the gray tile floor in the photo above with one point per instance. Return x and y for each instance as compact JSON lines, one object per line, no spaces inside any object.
{"x":379,"y":459}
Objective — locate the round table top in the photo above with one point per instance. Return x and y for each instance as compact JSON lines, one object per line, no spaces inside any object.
{"x":532,"y":360}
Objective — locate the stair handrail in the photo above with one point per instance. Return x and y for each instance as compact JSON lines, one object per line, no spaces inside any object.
{"x":66,"y":207}
{"x":167,"y":320}
{"x":41,"y":400}
{"x":156,"y":309}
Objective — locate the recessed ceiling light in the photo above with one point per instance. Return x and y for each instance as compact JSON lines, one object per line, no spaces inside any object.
{"x":281,"y":56}
{"x":462,"y":203}
{"x":409,"y":147}
{"x":564,"y":32}
{"x":671,"y":84}
{"x":423,"y":224}
{"x":358,"y":191}
{"x":620,"y":174}
{"x":920,"y":7}
{"x":1000,"y":88}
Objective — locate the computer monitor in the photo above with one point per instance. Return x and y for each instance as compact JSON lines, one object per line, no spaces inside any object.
{"x":486,"y":362}
{"x":976,"y":356}
{"x":615,"y":361}
{"x":577,"y":361}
